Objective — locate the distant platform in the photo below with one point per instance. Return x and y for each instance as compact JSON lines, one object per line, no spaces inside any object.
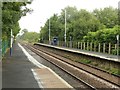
{"x":85,"y":52}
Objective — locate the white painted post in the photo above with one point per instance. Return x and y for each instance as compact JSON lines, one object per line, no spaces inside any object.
{"x":109,"y":48}
{"x":58,"y":43}
{"x":99,"y":48}
{"x":103,"y":47}
{"x":11,"y":42}
{"x":81,"y":45}
{"x":78,"y":45}
{"x":87,"y":45}
{"x":84,"y":45}
{"x":115,"y":47}
{"x":91,"y":46}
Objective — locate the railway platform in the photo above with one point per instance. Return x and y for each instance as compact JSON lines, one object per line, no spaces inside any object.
{"x":22,"y":70}
{"x":85,"y":52}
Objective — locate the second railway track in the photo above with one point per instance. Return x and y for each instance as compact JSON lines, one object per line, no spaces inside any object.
{"x":92,"y":81}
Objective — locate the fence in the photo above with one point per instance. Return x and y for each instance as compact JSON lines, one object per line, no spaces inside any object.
{"x":5,"y":46}
{"x":108,"y":48}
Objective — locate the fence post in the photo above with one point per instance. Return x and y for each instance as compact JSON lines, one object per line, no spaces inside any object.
{"x":99,"y":48}
{"x":91,"y":46}
{"x":116,"y":49}
{"x":84,"y":45}
{"x":81,"y":45}
{"x":78,"y":44}
{"x":103,"y":47}
{"x":109,"y":48}
{"x":87,"y":45}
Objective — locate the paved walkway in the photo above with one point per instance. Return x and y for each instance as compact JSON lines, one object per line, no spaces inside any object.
{"x":21,"y":70}
{"x":16,"y":70}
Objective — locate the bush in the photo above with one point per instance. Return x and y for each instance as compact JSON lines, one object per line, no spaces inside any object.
{"x":114,"y":52}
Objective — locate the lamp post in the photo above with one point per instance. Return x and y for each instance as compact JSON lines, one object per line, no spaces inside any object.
{"x":11,"y":41}
{"x":117,"y":46}
{"x":65,"y":28}
{"x":49,"y":31}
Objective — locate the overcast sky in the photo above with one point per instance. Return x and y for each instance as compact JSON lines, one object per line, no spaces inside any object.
{"x":44,"y":9}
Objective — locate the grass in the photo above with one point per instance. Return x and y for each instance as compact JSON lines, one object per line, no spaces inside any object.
{"x":115,"y":71}
{"x":112,"y":70}
{"x":94,"y":64}
{"x":84,"y":61}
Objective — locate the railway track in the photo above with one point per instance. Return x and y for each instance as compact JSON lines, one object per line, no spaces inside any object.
{"x":115,"y":79}
{"x":91,"y":80}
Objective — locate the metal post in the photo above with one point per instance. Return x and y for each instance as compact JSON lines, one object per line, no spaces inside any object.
{"x":49,"y":31}
{"x":65,"y":28}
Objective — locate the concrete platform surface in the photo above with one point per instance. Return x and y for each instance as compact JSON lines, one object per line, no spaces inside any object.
{"x":16,"y":70}
{"x":49,"y":79}
{"x":21,"y":70}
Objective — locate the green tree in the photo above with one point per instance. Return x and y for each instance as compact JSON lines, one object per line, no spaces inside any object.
{"x":108,"y":16}
{"x":80,"y":23}
{"x":11,"y":14}
{"x":103,"y":35}
{"x":30,"y":37}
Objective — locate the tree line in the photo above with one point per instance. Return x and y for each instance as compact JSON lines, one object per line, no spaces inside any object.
{"x":100,"y":25}
{"x":11,"y":14}
{"x":30,"y":37}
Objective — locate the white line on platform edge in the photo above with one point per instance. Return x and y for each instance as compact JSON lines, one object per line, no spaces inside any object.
{"x":60,"y":79}
{"x":37,"y":79}
{"x":35,"y":62}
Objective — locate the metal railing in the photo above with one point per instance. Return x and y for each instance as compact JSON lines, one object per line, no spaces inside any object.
{"x":5,"y":46}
